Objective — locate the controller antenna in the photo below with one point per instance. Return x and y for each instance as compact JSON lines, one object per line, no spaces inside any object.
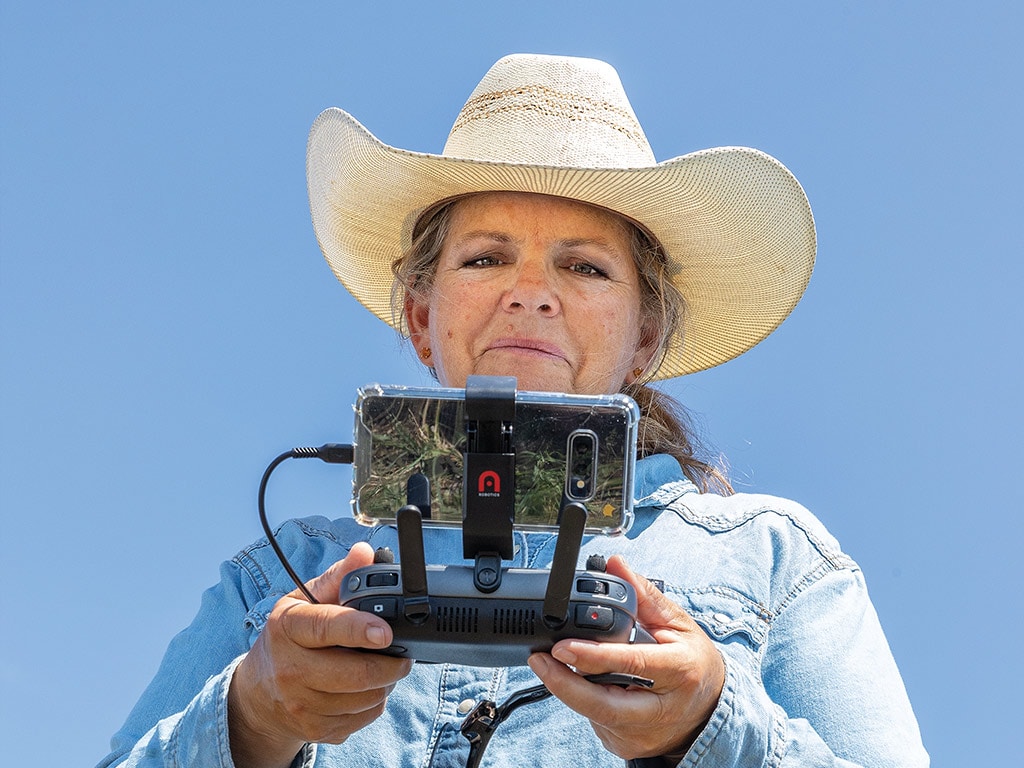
{"x":413,"y":564}
{"x":573,"y":517}
{"x":417,"y":493}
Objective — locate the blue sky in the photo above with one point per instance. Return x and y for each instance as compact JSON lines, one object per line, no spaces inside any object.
{"x":168,"y":326}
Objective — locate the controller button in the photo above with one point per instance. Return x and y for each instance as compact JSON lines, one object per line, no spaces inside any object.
{"x":385,"y":607}
{"x":592,"y":586}
{"x":385,"y":579}
{"x":353,"y":583}
{"x":594,"y":617}
{"x":617,"y":591}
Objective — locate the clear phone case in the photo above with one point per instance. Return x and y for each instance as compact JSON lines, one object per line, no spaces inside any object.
{"x":580,"y":446}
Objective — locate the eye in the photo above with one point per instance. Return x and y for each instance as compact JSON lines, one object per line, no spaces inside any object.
{"x":587,"y":269}
{"x":484,"y":260}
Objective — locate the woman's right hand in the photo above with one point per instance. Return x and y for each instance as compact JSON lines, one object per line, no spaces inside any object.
{"x":304,"y":680}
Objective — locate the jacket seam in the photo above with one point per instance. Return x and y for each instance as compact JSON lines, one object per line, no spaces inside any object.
{"x":810,"y":578}
{"x":837,"y":559}
{"x":248,"y":565}
{"x":437,"y":726}
{"x":246,"y":559}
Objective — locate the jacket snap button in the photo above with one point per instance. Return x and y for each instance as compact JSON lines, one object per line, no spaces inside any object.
{"x":465,"y":706}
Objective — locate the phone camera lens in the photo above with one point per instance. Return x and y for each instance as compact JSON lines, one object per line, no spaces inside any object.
{"x":582,"y":465}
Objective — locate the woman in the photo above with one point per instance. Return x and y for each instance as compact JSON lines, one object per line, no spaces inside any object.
{"x":546,"y":243}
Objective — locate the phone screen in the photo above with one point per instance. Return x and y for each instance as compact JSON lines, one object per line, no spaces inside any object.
{"x":575,"y":446}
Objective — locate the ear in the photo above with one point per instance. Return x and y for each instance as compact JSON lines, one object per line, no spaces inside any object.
{"x":417,"y":320}
{"x":646,"y":352}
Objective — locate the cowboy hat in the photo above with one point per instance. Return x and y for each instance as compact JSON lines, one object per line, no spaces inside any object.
{"x":734,"y":222}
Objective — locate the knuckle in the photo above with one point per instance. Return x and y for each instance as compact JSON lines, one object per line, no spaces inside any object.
{"x":327,"y":730}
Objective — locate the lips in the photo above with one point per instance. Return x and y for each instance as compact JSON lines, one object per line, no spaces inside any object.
{"x":528,"y":346}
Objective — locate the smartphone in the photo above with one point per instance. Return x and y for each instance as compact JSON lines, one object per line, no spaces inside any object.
{"x":579,"y":447}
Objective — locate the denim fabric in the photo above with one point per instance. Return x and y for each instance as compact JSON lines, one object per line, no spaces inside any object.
{"x":810,"y":679}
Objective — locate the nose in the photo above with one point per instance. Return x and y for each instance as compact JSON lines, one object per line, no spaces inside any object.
{"x":531,"y":290}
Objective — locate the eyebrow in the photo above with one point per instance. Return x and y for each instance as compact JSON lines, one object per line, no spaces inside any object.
{"x":505,"y":237}
{"x":485,"y":234}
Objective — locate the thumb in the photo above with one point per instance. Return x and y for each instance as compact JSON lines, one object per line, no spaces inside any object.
{"x":327,"y":585}
{"x":654,"y":609}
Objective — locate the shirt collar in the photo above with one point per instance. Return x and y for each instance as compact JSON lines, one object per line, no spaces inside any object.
{"x":659,"y":481}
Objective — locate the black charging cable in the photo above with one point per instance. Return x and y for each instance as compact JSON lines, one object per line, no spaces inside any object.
{"x":332,"y":453}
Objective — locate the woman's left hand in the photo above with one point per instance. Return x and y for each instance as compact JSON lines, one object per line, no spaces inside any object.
{"x":687,"y":670}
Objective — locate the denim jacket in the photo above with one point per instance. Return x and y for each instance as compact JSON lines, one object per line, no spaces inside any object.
{"x":810,"y":679}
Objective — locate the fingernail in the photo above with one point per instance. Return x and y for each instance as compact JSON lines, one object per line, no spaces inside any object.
{"x":375,"y":635}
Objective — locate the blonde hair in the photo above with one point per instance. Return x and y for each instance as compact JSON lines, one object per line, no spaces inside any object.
{"x":665,"y":424}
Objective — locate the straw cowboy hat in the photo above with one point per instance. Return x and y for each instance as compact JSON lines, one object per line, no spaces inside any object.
{"x":734,"y":222}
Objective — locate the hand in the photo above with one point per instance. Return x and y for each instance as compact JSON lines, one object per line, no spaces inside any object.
{"x":687,"y":670}
{"x":303,"y":681}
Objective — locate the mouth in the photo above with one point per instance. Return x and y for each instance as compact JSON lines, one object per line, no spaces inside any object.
{"x":530,"y":347}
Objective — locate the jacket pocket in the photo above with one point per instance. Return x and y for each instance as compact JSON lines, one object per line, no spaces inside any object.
{"x":725,"y":614}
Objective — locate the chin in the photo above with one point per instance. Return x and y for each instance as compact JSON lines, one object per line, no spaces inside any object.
{"x":532,"y":379}
{"x":543,"y":384}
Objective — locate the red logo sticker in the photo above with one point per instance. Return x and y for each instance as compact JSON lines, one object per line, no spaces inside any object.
{"x":489,"y":483}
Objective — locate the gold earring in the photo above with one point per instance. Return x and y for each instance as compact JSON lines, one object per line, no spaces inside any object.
{"x":425,"y":354}
{"x":637,"y":372}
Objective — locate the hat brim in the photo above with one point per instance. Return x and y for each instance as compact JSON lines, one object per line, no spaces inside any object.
{"x":734,"y":222}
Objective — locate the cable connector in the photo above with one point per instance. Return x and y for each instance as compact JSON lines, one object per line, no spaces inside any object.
{"x":332,"y":453}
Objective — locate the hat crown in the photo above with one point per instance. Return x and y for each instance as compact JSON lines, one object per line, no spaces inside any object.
{"x":550,"y":110}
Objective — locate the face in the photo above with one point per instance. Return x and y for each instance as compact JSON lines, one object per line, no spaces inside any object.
{"x":537,"y":287}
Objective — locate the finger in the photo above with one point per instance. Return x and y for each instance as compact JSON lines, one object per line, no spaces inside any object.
{"x":326,"y":587}
{"x":590,"y":658}
{"x":328,"y":626}
{"x":655,"y":610}
{"x":324,"y":624}
{"x":324,"y":728}
{"x":344,"y":671}
{"x":598,"y":703}
{"x":349,"y":690}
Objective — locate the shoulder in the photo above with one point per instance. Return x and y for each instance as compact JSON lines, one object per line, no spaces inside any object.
{"x":745,"y":556}
{"x":776,"y":519}
{"x":665,"y":494}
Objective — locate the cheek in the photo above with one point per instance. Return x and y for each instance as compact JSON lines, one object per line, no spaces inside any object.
{"x":452,"y":320}
{"x":620,"y":339}
{"x":617,"y":323}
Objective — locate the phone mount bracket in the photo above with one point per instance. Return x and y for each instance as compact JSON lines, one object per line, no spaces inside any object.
{"x":488,"y":477}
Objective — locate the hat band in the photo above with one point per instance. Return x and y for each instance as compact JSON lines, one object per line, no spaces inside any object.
{"x":542,"y":100}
